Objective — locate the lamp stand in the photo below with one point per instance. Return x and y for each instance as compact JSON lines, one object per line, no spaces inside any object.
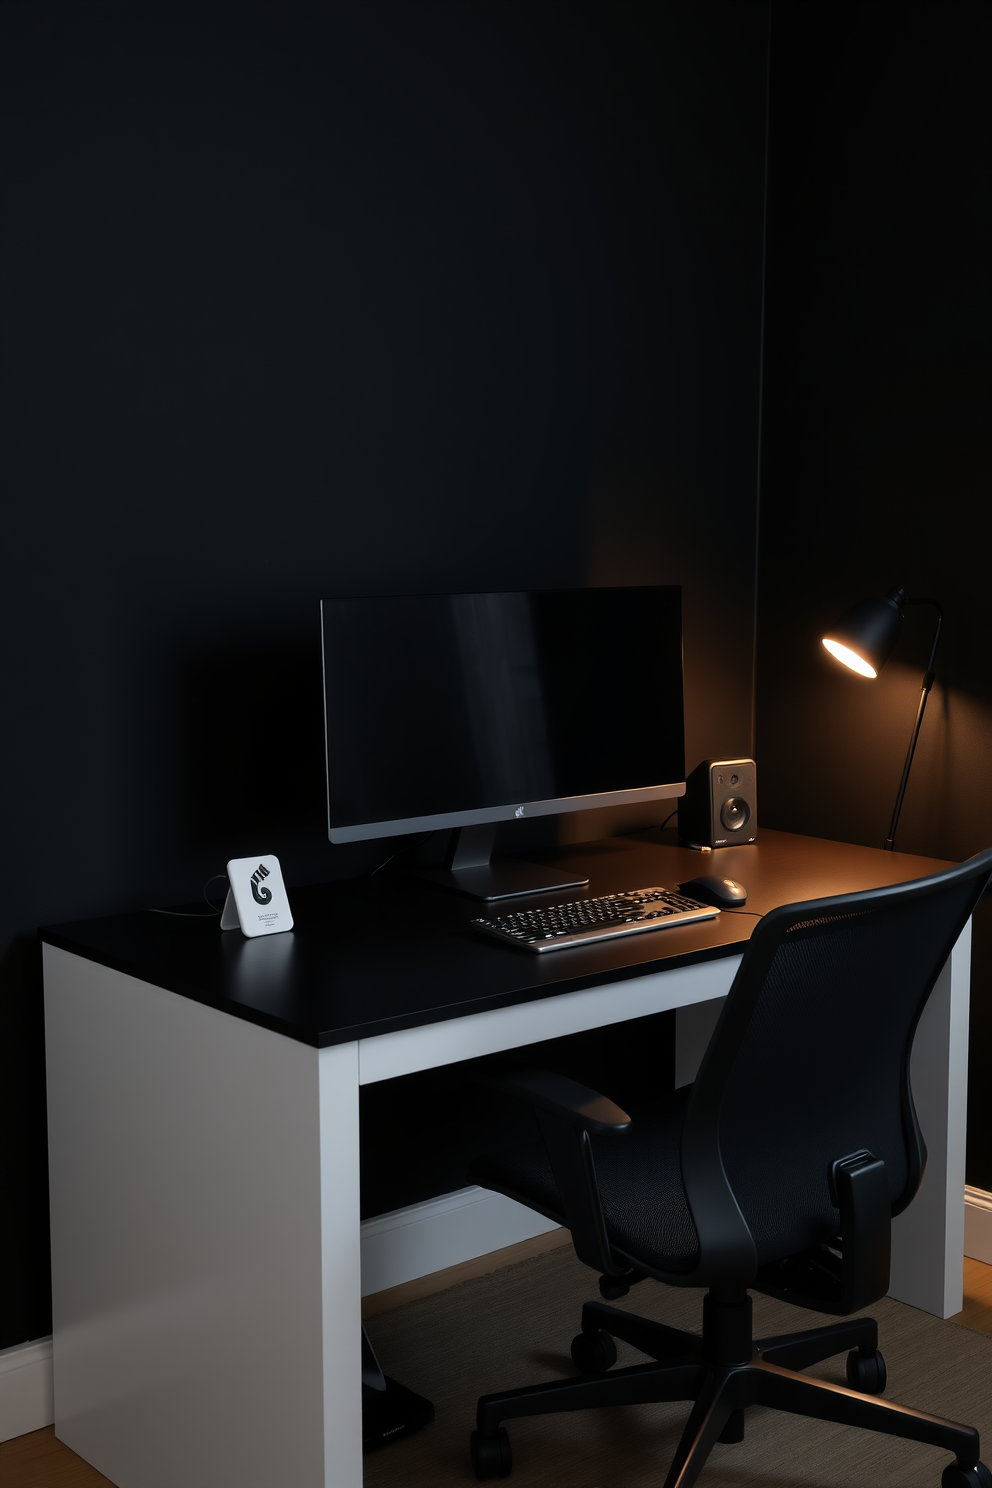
{"x":927,"y":684}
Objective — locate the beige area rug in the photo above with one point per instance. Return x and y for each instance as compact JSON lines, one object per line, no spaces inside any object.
{"x":515,"y":1326}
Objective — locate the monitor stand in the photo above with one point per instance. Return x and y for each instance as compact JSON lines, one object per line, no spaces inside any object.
{"x":468,"y":869}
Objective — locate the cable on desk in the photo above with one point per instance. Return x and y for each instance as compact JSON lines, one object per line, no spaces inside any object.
{"x":196,"y":914}
{"x":654,"y":827}
{"x":407,"y":847}
{"x":660,"y":826}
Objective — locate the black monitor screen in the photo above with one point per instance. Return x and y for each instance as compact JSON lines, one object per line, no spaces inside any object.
{"x":446,"y":709}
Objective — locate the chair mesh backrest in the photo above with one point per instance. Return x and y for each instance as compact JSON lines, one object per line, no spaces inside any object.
{"x":819,"y":1068}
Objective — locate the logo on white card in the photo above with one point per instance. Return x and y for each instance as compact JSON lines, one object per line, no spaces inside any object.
{"x":259,"y":892}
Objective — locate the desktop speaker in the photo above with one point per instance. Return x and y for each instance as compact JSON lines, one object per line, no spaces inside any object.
{"x":719,"y":808}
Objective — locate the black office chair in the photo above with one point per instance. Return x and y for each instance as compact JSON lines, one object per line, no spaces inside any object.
{"x":778,"y":1170}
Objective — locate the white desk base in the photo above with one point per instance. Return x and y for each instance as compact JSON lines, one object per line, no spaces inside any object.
{"x":205,"y":1211}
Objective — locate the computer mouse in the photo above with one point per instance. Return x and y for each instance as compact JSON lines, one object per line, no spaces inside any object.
{"x":725,"y":893}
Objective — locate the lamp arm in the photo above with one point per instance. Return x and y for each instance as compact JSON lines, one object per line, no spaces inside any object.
{"x":927,"y":684}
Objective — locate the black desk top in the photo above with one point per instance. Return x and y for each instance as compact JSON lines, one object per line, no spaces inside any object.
{"x":366,"y":959}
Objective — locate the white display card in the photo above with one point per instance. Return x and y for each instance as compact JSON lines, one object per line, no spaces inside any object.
{"x":257,"y":900}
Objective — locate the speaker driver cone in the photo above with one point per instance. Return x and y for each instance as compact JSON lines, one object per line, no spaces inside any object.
{"x":735,"y":814}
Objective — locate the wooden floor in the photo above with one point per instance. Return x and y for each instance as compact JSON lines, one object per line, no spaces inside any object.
{"x":38,"y":1460}
{"x":977,"y":1310}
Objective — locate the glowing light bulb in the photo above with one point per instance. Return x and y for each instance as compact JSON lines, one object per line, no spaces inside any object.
{"x":849,"y":658}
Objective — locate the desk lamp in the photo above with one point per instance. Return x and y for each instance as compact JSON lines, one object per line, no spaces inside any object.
{"x":863,"y":640}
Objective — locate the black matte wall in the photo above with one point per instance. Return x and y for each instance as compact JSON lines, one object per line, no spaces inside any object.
{"x":877,"y":450}
{"x":358,"y":297}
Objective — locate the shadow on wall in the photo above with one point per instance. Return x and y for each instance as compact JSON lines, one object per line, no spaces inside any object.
{"x":250,"y":739}
{"x":251,"y":732}
{"x":645,"y":532}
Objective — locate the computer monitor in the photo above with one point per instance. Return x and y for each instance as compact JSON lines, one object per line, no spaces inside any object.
{"x":465,"y":710}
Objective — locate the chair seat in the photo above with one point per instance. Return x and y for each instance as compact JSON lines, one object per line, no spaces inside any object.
{"x":651,"y":1224}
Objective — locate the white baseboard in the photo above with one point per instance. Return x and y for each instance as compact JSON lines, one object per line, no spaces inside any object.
{"x":441,"y":1232}
{"x":26,"y":1398}
{"x":978,"y":1225}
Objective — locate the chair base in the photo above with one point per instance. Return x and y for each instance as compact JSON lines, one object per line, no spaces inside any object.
{"x":725,"y":1371}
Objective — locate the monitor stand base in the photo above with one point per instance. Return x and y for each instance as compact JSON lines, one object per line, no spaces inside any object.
{"x":507,"y":878}
{"x":469,"y":870}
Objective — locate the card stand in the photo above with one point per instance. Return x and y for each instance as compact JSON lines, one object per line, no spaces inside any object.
{"x":257,"y":902}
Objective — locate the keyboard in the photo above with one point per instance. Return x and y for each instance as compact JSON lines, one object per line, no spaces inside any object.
{"x":552,"y":927}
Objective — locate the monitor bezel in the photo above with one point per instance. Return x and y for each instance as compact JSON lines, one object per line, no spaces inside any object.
{"x":512,"y":811}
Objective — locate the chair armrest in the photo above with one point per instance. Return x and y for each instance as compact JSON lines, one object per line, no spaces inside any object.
{"x":861,"y":1191}
{"x":849,"y":1273}
{"x":555,"y":1094}
{"x":567,"y":1113}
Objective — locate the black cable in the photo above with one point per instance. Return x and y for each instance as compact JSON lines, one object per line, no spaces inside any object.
{"x":636,"y":831}
{"x":406,"y":847}
{"x":196,"y":914}
{"x":207,"y":897}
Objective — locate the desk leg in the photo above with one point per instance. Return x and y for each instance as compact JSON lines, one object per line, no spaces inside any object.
{"x":205,"y":1238}
{"x":341,"y":1266}
{"x":928,"y":1239}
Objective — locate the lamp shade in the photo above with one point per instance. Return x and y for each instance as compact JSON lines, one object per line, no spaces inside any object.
{"x":866,"y":636}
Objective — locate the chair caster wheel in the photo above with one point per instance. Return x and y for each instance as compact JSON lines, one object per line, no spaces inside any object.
{"x":966,"y":1477}
{"x":594,"y":1353}
{"x":734,"y":1429}
{"x":491,"y":1455}
{"x":866,"y":1372}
